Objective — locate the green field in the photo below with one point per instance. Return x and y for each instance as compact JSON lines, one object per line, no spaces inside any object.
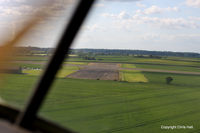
{"x":105,"y":106}
{"x":32,"y":58}
{"x":130,"y":59}
{"x":165,"y":67}
{"x":32,"y":72}
{"x":128,"y":66}
{"x":76,"y":63}
{"x":122,"y":59}
{"x":97,"y":106}
{"x":131,"y":75}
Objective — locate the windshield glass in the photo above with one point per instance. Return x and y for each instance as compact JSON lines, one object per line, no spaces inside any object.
{"x":133,"y":68}
{"x":29,"y":31}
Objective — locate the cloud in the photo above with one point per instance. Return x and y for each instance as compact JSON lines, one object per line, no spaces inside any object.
{"x":155,"y":10}
{"x":140,"y":5}
{"x":124,"y":15}
{"x":16,"y":10}
{"x":178,"y":37}
{"x":99,"y":5}
{"x":93,"y":27}
{"x":187,"y":36}
{"x":124,"y":19}
{"x":24,"y":8}
{"x":150,"y":36}
{"x":193,"y":3}
{"x":121,"y":15}
{"x":14,"y":13}
{"x":195,"y":18}
{"x":152,"y":10}
{"x":173,"y":23}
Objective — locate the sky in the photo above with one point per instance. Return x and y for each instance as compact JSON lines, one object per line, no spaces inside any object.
{"x":161,"y":25}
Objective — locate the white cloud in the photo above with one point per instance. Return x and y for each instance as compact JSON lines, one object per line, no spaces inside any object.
{"x":173,"y":23}
{"x":93,"y":27}
{"x":124,"y":15}
{"x":109,"y":15}
{"x":56,"y":9}
{"x":193,"y":3}
{"x":155,"y":9}
{"x":99,"y":5}
{"x":155,"y":37}
{"x":140,"y":5}
{"x":195,"y":18}
{"x":10,"y":12}
{"x":150,"y":36}
{"x":121,"y":15}
{"x":152,"y":10}
{"x":124,"y":19}
{"x":187,"y":36}
{"x":16,"y":10}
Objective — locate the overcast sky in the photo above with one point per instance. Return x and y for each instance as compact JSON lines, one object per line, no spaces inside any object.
{"x":166,"y":25}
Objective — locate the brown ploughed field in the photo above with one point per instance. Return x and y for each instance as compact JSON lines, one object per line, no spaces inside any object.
{"x":99,"y":71}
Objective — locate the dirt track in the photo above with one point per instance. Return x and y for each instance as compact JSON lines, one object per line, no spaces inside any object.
{"x":101,"y":71}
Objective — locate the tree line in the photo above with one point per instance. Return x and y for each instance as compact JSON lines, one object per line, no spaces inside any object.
{"x":140,"y":53}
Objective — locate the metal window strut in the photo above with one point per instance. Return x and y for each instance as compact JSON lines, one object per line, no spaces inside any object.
{"x":28,"y":116}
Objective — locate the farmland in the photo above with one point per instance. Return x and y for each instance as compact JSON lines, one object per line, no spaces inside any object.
{"x":130,"y":101}
{"x":100,"y":71}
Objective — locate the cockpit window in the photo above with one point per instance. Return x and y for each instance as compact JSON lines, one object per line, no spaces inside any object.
{"x":133,"y":67}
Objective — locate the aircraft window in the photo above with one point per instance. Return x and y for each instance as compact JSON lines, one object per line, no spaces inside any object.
{"x":32,"y":52}
{"x":134,"y":67}
{"x":28,"y":117}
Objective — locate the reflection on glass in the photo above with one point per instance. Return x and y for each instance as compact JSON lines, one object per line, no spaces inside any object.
{"x":41,"y":23}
